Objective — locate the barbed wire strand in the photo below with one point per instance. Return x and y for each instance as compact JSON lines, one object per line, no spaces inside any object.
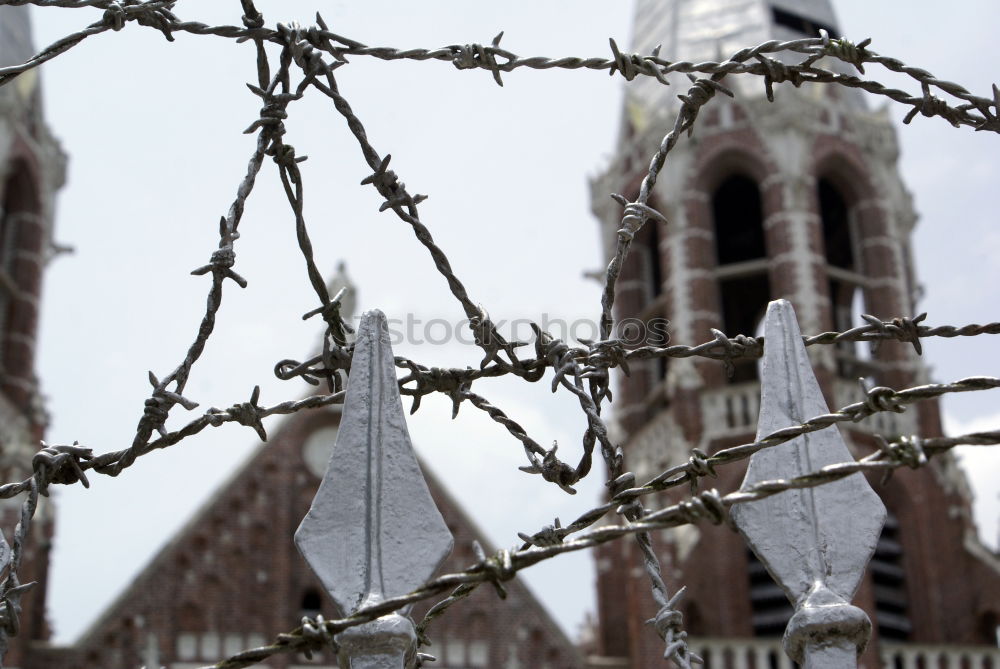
{"x":707,"y":505}
{"x":573,"y":367}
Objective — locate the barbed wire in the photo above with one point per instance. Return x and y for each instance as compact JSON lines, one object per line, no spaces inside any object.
{"x":700,"y":465}
{"x":428,"y":380}
{"x":478,"y":56}
{"x":584,"y":371}
{"x":707,"y":505}
{"x":52,"y":464}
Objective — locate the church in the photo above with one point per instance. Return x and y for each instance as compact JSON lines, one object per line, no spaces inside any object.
{"x":800,"y":199}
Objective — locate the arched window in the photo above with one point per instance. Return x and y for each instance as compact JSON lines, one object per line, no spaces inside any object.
{"x":20,"y":246}
{"x":742,"y":266}
{"x":739,"y":222}
{"x":844,"y":281}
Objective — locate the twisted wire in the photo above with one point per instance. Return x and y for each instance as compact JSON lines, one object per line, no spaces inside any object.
{"x":583,"y":372}
{"x":708,"y":505}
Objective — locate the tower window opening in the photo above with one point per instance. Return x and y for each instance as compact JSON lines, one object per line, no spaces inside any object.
{"x":836,"y":226}
{"x":770,"y":607}
{"x":801,"y":24}
{"x":989,"y":629}
{"x":844,"y":283}
{"x":312,"y":603}
{"x":21,"y":241}
{"x":889,"y":581}
{"x":739,"y":221}
{"x":744,"y":301}
{"x":846,"y":304}
{"x":14,"y":205}
{"x":744,"y":290}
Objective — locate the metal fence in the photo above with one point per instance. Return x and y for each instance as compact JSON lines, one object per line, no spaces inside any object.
{"x":293,"y":61}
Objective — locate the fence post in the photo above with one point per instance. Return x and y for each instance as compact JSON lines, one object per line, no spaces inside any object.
{"x":373,"y":530}
{"x":815,"y":542}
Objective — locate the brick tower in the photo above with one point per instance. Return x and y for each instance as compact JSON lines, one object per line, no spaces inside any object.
{"x":799,"y":199}
{"x":32,"y":168}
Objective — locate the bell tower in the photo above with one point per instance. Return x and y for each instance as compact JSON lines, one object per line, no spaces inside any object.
{"x":798,"y":199}
{"x":32,"y":169}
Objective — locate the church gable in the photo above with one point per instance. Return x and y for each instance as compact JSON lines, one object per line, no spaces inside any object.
{"x":232,"y":579}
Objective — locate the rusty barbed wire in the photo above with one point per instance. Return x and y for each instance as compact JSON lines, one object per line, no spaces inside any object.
{"x":581,"y":371}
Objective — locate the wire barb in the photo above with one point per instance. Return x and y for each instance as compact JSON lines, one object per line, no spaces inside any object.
{"x":583,"y":371}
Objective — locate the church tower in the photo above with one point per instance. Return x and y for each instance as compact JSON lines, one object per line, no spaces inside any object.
{"x":798,"y":199}
{"x":32,"y":169}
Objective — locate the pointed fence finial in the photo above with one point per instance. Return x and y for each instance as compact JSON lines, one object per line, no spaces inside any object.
{"x":373,"y":530}
{"x":816,"y":541}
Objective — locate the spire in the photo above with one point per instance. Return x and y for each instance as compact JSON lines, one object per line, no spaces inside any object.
{"x":701,"y":30}
{"x":15,"y":36}
{"x":341,"y":281}
{"x":698,"y":29}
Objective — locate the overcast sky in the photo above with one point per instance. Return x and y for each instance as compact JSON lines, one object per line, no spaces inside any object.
{"x":153,"y":131}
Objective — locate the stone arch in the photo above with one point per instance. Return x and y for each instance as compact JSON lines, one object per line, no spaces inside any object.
{"x":722,"y":156}
{"x":842,"y":163}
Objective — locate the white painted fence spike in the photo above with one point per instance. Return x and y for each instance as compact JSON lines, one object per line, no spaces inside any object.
{"x":5,"y":555}
{"x":815,"y":542}
{"x":373,"y":530}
